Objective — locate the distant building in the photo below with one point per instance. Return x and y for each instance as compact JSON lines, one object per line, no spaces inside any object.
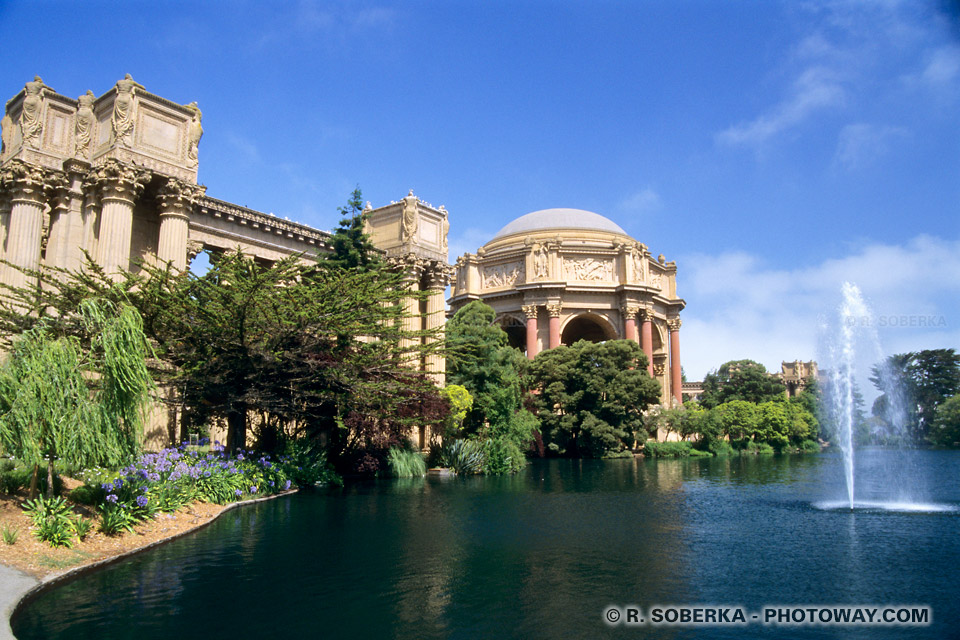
{"x":794,"y":375}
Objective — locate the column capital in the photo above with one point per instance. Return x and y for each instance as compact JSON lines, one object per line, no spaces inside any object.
{"x":27,"y":182}
{"x":438,"y":275}
{"x":629,"y":309}
{"x":646,"y":314}
{"x":555,"y":309}
{"x":659,"y":369}
{"x":529,"y":310}
{"x":674,"y":324}
{"x":120,"y":181}
{"x":177,"y":197}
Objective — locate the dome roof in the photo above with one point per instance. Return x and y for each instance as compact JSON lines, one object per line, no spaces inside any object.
{"x":559,"y":219}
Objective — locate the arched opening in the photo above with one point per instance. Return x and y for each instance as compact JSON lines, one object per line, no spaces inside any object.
{"x":587,"y":327}
{"x":516,"y":331}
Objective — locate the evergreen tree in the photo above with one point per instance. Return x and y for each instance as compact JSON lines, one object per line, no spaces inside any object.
{"x":351,"y":245}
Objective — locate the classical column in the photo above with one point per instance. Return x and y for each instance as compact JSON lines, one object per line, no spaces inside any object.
{"x":5,"y":205}
{"x":554,"y":311}
{"x":58,"y":240}
{"x":120,"y":187}
{"x":176,"y":199}
{"x":646,"y":336}
{"x":676,"y":379}
{"x":26,"y":186}
{"x":412,"y":269}
{"x":530,"y":310}
{"x":629,"y":311}
{"x":437,"y":280}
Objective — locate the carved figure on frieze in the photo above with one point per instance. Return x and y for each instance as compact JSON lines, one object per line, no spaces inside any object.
{"x":655,"y":279}
{"x":194,"y":133}
{"x":638,"y":264}
{"x":445,"y":230}
{"x":408,"y":223}
{"x":85,"y":121}
{"x":540,"y":262}
{"x":6,"y":132}
{"x":31,"y":122}
{"x":121,"y":124}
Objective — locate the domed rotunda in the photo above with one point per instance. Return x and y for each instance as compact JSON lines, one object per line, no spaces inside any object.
{"x":556,"y":276}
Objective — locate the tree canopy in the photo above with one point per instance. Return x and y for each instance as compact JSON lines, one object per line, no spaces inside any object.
{"x":590,"y":397}
{"x":740,"y":380}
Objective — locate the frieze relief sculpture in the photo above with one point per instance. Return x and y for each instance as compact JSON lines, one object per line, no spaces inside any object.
{"x":84,"y":125}
{"x":502,"y":275}
{"x":587,"y":269}
{"x":31,"y":124}
{"x":194,"y":133}
{"x":655,"y":279}
{"x":121,"y":124}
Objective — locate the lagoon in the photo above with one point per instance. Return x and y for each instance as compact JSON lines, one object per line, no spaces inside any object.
{"x":541,"y":555}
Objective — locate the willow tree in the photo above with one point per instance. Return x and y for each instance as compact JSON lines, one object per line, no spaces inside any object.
{"x":85,"y":405}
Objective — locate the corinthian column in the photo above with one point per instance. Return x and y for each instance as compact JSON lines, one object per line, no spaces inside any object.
{"x":646,"y":336}
{"x":437,"y":280}
{"x":676,"y":379}
{"x":176,"y":200}
{"x":120,"y":186}
{"x":629,"y":311}
{"x":530,"y":310}
{"x":26,"y":186}
{"x":554,"y":312}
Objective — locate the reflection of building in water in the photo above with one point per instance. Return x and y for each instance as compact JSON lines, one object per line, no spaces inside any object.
{"x":794,"y":375}
{"x":561,"y":275}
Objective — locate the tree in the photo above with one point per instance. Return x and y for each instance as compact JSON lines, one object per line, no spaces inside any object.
{"x":736,"y":419}
{"x":84,"y":406}
{"x":740,"y":380}
{"x":590,"y":397}
{"x":913,"y":385}
{"x":352,"y":247}
{"x":946,"y":425}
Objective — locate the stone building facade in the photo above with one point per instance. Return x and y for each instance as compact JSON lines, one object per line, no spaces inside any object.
{"x":560,"y":275}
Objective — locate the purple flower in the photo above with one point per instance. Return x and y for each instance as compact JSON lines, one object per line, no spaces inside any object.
{"x":286,"y":485}
{"x":253,"y":489}
{"x":142,"y":501}
{"x":112,"y":497}
{"x":238,"y":492}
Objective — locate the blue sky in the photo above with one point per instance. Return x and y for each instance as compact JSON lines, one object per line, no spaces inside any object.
{"x":773,"y":149}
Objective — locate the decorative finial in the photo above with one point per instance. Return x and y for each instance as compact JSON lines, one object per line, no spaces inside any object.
{"x":661,"y":259}
{"x":369,"y":206}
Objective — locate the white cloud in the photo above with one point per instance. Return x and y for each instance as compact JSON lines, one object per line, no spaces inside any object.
{"x":816,"y":89}
{"x":862,"y":143}
{"x":943,"y":66}
{"x":737,"y":307}
{"x":647,"y":199}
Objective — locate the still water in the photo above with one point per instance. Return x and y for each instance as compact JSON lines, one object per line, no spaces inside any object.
{"x":539,"y":555}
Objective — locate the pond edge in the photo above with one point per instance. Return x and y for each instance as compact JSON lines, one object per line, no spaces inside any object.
{"x":26,"y":588}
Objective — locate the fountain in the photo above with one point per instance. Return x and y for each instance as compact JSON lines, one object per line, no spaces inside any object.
{"x":848,"y":352}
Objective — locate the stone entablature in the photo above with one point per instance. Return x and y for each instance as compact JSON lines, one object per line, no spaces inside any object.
{"x":409,"y":226}
{"x":552,"y":279}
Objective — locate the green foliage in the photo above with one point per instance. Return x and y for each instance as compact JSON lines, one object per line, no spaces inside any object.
{"x":85,"y":406}
{"x":88,"y":494}
{"x":720,"y":448}
{"x":52,"y":520}
{"x":675,"y":449}
{"x":740,"y":380}
{"x":117,"y":518}
{"x":810,"y":446}
{"x":946,"y":424}
{"x":501,"y":455}
{"x":590,"y":397}
{"x":352,"y":247}
{"x":10,"y":535}
{"x":463,"y":457}
{"x":305,"y":463}
{"x":460,"y":402}
{"x":479,"y":359}
{"x":82,"y":527}
{"x":406,"y":463}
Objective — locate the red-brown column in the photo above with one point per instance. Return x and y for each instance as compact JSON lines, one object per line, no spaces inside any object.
{"x":676,"y":380}
{"x":554,"y":311}
{"x":629,"y":312}
{"x":646,"y":337}
{"x":530,"y":310}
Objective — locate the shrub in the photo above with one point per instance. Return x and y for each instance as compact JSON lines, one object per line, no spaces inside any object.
{"x":87,"y":494}
{"x":463,"y":457}
{"x":51,"y":520}
{"x":502,"y":455}
{"x":115,"y":518}
{"x":667,"y":449}
{"x":10,"y":535}
{"x":810,"y":446}
{"x":613,"y":455}
{"x":699,"y":453}
{"x":82,"y":526}
{"x":721,"y":448}
{"x":406,"y":463}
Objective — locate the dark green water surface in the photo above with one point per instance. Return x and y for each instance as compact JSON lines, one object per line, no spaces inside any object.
{"x":539,"y":555}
